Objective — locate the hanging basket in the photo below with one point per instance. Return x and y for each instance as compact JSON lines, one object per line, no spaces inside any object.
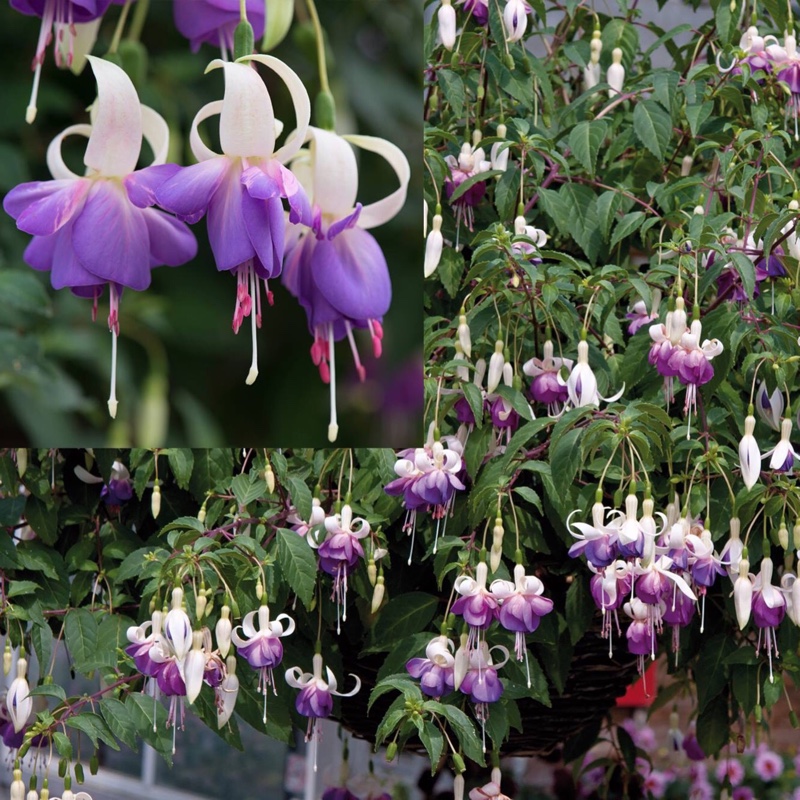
{"x":594,"y":683}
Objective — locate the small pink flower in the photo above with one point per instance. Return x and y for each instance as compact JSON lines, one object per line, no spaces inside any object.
{"x":732,"y":769}
{"x":768,"y":765}
{"x":655,"y":783}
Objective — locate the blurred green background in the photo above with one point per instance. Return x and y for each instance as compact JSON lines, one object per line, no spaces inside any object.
{"x":182,"y":370}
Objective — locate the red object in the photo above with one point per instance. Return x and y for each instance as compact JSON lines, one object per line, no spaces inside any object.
{"x":636,"y":696}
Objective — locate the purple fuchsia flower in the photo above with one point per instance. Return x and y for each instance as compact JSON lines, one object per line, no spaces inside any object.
{"x":226,"y":692}
{"x":144,"y":639}
{"x":340,"y":552}
{"x":528,"y":240}
{"x":117,"y":491}
{"x":338,"y":793}
{"x":99,"y":230}
{"x":481,"y":682}
{"x":336,"y":269}
{"x":769,"y":609}
{"x":786,"y":62}
{"x":471,"y":161}
{"x":547,"y":386}
{"x":241,"y":189}
{"x":598,"y":541}
{"x":19,"y":702}
{"x":72,"y":23}
{"x":609,"y":587}
{"x":477,"y":605}
{"x":262,"y":647}
{"x":639,"y":316}
{"x":435,"y":671}
{"x":521,"y":606}
{"x":315,"y":700}
{"x":641,"y":633}
{"x":214,"y":21}
{"x":479,"y":10}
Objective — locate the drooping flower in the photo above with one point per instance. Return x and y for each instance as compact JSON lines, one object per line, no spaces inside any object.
{"x":434,"y":244}
{"x":477,"y":605}
{"x":598,"y":541}
{"x":641,"y":633}
{"x":521,"y":605}
{"x":339,"y":553}
{"x":639,"y":316}
{"x":471,"y":161}
{"x":214,"y":21}
{"x":315,"y":700}
{"x":119,"y":488}
{"x":769,"y":609}
{"x":18,"y":700}
{"x":481,"y":682}
{"x":99,"y":230}
{"x":490,"y":790}
{"x":538,"y":239}
{"x":262,"y":647}
{"x":177,"y":626}
{"x":336,"y":269}
{"x":609,"y":588}
{"x":691,"y":362}
{"x":743,"y":594}
{"x":435,"y":671}
{"x":769,"y":407}
{"x":479,"y":10}
{"x":65,"y":22}
{"x":515,"y":19}
{"x":783,"y":455}
{"x":749,"y":454}
{"x":241,"y":189}
{"x":582,"y":383}
{"x":227,"y":692}
{"x":143,"y":642}
{"x":547,"y":386}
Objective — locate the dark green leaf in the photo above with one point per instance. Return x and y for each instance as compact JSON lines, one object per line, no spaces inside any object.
{"x":298,"y":563}
{"x":653,"y":127}
{"x":43,"y":520}
{"x":406,"y":614}
{"x":181,"y":461}
{"x":80,"y":636}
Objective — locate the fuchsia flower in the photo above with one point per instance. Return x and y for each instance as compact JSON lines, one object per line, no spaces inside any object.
{"x":691,"y":362}
{"x":481,"y":682}
{"x":74,"y":24}
{"x":769,"y":609}
{"x":214,"y":21}
{"x":340,"y":552}
{"x":262,"y":647}
{"x":515,"y":19}
{"x":639,"y":315}
{"x":477,"y":604}
{"x":315,"y":700}
{"x":479,"y":10}
{"x":521,"y":605}
{"x":99,"y":230}
{"x":582,"y":383}
{"x":471,"y":161}
{"x":143,"y":643}
{"x":435,"y":671}
{"x":241,"y":189}
{"x":598,"y":541}
{"x":547,"y":385}
{"x":336,"y":269}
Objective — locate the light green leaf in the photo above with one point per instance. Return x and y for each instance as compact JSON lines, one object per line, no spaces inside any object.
{"x":452,"y":87}
{"x":585,"y":141}
{"x":80,"y":635}
{"x":653,"y":127}
{"x":298,"y":564}
{"x":181,"y":461}
{"x":300,"y":495}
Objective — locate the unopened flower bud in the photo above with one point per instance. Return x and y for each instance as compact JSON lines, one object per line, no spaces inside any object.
{"x":17,"y":786}
{"x":497,"y":776}
{"x":22,"y":461}
{"x":464,"y":338}
{"x":259,"y":589}
{"x":796,"y":535}
{"x":686,"y":166}
{"x":372,"y":571}
{"x":200,"y":606}
{"x":269,"y":477}
{"x":155,"y":501}
{"x":377,"y":595}
{"x":434,"y":246}
{"x":201,"y":514}
{"x":447,"y":24}
{"x":391,"y":751}
{"x":698,"y":209}
{"x":783,"y":536}
{"x":495,"y":372}
{"x":458,"y":785}
{"x":615,"y":76}
{"x":278,"y":21}
{"x":7,"y":658}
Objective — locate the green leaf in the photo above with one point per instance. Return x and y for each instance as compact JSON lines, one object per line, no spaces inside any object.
{"x":149,"y":719}
{"x":627,"y":225}
{"x":17,"y":588}
{"x":565,"y":460}
{"x":744,"y":683}
{"x":111,"y":637}
{"x":585,"y":141}
{"x":49,"y":690}
{"x":95,"y":727}
{"x":452,"y":87}
{"x":247,"y":488}
{"x":134,"y":563}
{"x":711,"y":673}
{"x":431,"y":737}
{"x":713,"y":726}
{"x":406,"y":614}
{"x":23,"y":291}
{"x":63,"y":745}
{"x":463,"y":727}
{"x":211,"y":467}
{"x":43,"y":520}
{"x":480,"y":177}
{"x":627,"y":748}
{"x":506,"y":194}
{"x":80,"y":636}
{"x":181,"y":461}
{"x":301,"y":496}
{"x":42,"y":640}
{"x":402,"y":683}
{"x":298,"y":564}
{"x":653,"y":127}
{"x":451,"y":270}
{"x":698,"y":114}
{"x":746,"y":269}
{"x":580,"y":608}
{"x":119,"y":721}
{"x":475,"y":399}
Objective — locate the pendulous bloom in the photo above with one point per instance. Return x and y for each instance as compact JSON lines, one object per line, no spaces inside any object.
{"x":336,"y":269}
{"x":99,"y":230}
{"x":241,"y":189}
{"x":436,"y":671}
{"x":214,"y":21}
